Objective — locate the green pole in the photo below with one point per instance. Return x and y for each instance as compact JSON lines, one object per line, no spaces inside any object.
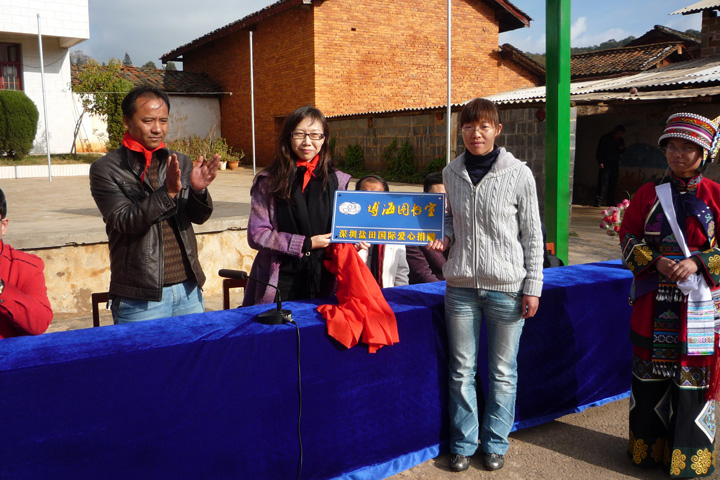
{"x":557,"y":136}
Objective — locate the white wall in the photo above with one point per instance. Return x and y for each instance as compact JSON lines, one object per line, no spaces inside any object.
{"x":190,"y":116}
{"x":194,"y":117}
{"x":67,"y":19}
{"x":61,"y":120}
{"x":63,"y":23}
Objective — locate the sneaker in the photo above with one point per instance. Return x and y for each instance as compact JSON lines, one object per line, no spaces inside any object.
{"x":458,"y":462}
{"x":493,"y":461}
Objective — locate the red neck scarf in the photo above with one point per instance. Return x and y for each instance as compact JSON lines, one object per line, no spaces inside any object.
{"x":309,"y":172}
{"x":133,"y":145}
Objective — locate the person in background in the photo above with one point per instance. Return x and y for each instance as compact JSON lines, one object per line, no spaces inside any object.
{"x":424,"y":262}
{"x":387,"y":263}
{"x":24,"y":305}
{"x":609,"y":149}
{"x":291,"y":213}
{"x":493,"y":271}
{"x":149,"y":198}
{"x":675,"y":383}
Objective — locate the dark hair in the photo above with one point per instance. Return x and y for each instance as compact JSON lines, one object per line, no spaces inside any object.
{"x":3,"y":205}
{"x":282,"y":169}
{"x":431,"y":179}
{"x":372,"y":179}
{"x":129,"y":103}
{"x":480,"y":109}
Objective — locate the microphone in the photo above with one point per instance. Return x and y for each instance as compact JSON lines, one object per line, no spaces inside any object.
{"x":275,"y":316}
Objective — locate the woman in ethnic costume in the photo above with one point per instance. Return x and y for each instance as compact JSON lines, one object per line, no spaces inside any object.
{"x":672,"y":408}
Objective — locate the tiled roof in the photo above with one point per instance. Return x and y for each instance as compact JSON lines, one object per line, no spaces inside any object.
{"x":698,"y":7}
{"x":517,"y":56}
{"x":509,"y":18}
{"x":170,"y":81}
{"x":618,"y":61}
{"x":660,"y":33}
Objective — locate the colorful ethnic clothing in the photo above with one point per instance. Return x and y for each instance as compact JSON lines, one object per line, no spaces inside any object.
{"x":672,"y":418}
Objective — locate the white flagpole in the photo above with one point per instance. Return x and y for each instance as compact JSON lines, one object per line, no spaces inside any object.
{"x":448,"y":114}
{"x":42,"y":78}
{"x":252,"y":101}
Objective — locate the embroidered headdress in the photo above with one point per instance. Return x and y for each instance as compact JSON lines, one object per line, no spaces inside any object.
{"x":696,"y":129}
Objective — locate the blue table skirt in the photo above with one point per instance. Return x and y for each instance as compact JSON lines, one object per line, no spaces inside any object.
{"x":215,"y":395}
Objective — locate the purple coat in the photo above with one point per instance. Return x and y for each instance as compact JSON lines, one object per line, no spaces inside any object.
{"x":264,"y":237}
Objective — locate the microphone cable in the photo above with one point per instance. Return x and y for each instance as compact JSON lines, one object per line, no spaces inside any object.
{"x":300,"y":461}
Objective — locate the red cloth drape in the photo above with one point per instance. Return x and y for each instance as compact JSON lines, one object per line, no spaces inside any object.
{"x":362,"y":313}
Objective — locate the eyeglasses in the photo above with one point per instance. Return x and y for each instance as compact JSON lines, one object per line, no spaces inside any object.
{"x":302,"y":135}
{"x":480,"y":128}
{"x":684,"y":150}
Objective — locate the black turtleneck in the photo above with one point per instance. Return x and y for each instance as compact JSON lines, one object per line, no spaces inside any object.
{"x":479,"y":165}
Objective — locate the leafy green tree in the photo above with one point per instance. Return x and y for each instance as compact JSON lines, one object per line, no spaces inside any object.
{"x":126,"y":61}
{"x":170,"y":66}
{"x":150,"y":64}
{"x":102,"y":90}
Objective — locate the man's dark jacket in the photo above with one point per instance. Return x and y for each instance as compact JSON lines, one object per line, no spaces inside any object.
{"x":133,"y":214}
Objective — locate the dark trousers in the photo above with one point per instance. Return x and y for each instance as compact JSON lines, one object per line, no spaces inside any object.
{"x":606,"y":185}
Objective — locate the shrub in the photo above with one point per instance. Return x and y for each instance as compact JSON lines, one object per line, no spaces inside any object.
{"x":18,"y":123}
{"x":436,"y":165}
{"x":193,"y":147}
{"x":400,"y":163}
{"x":354,"y":160}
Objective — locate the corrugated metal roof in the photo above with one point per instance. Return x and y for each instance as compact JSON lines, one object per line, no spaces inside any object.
{"x":697,"y":7}
{"x":703,"y":75}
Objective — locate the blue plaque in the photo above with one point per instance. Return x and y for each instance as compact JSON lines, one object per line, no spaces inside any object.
{"x":388,"y":217}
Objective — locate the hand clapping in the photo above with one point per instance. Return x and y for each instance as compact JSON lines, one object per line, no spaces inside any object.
{"x":204,"y":172}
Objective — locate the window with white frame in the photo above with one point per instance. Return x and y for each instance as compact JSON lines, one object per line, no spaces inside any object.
{"x":10,"y":67}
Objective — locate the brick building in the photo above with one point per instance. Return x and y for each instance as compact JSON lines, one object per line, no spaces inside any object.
{"x":348,"y":57}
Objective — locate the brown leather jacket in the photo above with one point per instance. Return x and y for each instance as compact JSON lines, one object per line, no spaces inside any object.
{"x":133,"y":214}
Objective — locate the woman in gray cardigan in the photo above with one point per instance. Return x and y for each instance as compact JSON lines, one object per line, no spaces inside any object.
{"x":494,"y":268}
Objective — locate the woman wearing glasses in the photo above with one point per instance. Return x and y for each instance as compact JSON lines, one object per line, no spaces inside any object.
{"x":291,"y":213}
{"x":667,"y":235}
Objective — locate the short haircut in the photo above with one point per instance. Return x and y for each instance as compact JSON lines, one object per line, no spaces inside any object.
{"x":129,"y":103}
{"x":479,"y":110}
{"x":3,"y":205}
{"x":372,"y":179}
{"x":431,"y":179}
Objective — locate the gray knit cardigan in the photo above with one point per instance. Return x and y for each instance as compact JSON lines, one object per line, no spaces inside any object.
{"x":494,"y":228}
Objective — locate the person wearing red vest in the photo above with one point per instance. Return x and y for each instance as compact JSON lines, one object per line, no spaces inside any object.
{"x":149,"y":198}
{"x":24,"y":305}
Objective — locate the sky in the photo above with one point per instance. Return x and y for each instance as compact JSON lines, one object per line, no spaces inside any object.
{"x":146,"y":31}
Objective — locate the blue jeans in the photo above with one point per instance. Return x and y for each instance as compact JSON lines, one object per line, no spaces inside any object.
{"x":464,"y":309}
{"x":179,"y":299}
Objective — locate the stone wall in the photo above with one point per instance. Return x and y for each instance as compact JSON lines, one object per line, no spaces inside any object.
{"x":73,"y":273}
{"x":523,"y":135}
{"x":425,"y":133}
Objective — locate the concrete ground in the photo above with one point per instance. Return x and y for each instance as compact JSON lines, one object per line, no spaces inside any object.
{"x":587,"y":445}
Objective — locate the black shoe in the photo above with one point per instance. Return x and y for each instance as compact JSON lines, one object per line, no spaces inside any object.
{"x":458,"y":462}
{"x":493,"y":461}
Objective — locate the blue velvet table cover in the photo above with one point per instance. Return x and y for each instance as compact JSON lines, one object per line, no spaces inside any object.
{"x":215,"y":395}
